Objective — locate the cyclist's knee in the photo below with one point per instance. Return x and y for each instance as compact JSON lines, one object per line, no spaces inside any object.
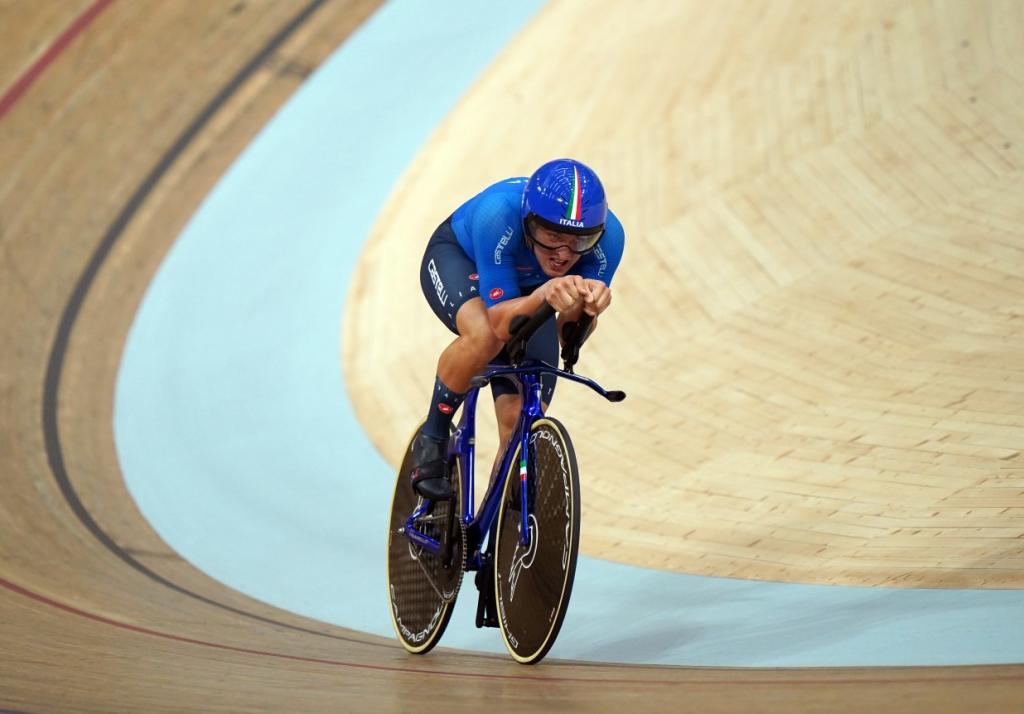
{"x":475,"y":328}
{"x":485,"y":343}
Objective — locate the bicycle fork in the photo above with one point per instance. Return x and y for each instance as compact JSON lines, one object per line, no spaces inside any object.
{"x":533,"y":409}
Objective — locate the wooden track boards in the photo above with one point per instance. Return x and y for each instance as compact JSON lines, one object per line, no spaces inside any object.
{"x":818,"y":318}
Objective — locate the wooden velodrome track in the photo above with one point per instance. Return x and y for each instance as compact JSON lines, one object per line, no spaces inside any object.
{"x":819,"y":320}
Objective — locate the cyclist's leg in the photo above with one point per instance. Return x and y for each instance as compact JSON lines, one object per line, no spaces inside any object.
{"x":507,"y":402}
{"x":449,"y":283}
{"x":472,"y":350}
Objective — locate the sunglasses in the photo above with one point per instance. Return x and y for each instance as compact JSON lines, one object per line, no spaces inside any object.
{"x":576,"y":243}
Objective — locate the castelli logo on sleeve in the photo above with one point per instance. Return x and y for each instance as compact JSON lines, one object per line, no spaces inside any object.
{"x":496,"y":293}
{"x":446,"y":408}
{"x":474,"y":276}
{"x":503,"y":243}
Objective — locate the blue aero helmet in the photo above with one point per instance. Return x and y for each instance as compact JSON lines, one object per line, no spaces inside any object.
{"x":566,"y":196}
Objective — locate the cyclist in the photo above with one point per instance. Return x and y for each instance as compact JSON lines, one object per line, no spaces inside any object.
{"x":505,"y":252}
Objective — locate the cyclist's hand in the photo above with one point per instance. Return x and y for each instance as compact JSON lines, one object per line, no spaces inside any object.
{"x":597,"y":299}
{"x":564,"y":293}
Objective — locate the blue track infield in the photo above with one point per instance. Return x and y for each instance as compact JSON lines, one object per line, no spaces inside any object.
{"x":238,"y":442}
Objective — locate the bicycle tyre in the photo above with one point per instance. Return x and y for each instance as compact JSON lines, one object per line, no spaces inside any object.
{"x":532,"y":586}
{"x":421,"y":591}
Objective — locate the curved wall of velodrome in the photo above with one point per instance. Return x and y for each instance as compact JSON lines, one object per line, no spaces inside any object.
{"x":238,"y":442}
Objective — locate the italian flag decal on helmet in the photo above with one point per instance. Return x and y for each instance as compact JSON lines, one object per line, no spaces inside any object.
{"x":554,"y":198}
{"x":574,"y":211}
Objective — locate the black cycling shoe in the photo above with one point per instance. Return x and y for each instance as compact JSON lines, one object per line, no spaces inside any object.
{"x":429,"y":471}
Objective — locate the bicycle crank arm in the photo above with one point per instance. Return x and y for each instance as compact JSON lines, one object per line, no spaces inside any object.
{"x":423,"y":541}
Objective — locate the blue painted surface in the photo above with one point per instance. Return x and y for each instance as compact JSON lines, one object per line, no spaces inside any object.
{"x":237,"y":440}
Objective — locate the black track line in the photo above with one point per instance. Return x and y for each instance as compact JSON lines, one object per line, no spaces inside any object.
{"x":58,"y":352}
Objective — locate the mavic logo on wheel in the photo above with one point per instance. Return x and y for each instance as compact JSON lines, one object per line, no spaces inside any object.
{"x":522,"y":561}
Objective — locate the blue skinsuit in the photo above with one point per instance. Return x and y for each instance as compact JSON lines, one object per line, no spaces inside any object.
{"x":489,"y":228}
{"x":480,"y":250}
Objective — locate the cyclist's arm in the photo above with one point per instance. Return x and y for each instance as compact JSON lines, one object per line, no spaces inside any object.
{"x":555,"y":292}
{"x":501,"y":313}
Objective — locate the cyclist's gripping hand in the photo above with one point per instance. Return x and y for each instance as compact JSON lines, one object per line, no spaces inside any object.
{"x":567,"y":292}
{"x":597,"y":297}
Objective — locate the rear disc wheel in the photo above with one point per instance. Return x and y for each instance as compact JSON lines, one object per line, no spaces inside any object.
{"x":422,"y":585}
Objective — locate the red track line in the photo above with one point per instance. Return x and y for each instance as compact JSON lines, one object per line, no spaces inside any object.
{"x":12,"y":95}
{"x":478,"y":675}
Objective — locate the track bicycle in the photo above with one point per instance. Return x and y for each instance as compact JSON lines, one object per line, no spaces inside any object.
{"x":524,"y":541}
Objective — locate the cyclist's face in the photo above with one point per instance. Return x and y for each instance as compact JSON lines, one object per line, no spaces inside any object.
{"x":556,"y":256}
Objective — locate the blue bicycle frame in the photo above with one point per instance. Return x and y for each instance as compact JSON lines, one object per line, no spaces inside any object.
{"x":462,"y":446}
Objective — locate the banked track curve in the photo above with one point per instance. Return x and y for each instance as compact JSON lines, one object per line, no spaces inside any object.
{"x":45,"y":560}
